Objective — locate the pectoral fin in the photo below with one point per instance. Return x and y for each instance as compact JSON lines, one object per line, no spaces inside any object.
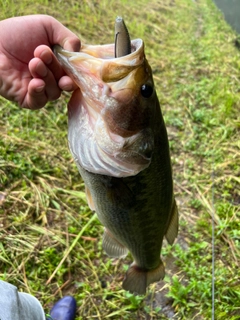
{"x":89,"y":199}
{"x":172,"y":229}
{"x":112,"y":246}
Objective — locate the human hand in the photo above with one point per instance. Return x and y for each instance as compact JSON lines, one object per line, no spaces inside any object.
{"x":29,"y":72}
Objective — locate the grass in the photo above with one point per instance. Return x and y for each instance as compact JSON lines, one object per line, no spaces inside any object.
{"x":50,"y":242}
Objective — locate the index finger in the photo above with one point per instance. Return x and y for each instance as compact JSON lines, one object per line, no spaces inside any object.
{"x":59,"y":34}
{"x":44,"y":53}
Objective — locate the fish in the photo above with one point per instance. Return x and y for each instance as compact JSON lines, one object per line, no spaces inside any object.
{"x":118,"y":139}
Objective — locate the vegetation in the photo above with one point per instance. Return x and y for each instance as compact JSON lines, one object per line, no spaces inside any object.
{"x":50,"y":241}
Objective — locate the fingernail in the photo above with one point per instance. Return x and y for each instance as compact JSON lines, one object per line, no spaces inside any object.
{"x":39,"y":89}
{"x":46,"y":57}
{"x":68,"y":87}
{"x":42,"y":70}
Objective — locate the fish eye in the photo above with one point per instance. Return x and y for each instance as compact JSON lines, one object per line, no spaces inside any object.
{"x":146,"y":90}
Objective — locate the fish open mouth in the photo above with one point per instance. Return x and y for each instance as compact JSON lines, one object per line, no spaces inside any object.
{"x":110,"y":129}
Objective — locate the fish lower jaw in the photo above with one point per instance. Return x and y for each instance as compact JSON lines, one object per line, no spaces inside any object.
{"x":95,"y":151}
{"x":96,"y":161}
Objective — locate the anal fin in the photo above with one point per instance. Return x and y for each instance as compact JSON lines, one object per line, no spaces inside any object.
{"x":172,"y":229}
{"x":137,"y":280}
{"x":112,"y":246}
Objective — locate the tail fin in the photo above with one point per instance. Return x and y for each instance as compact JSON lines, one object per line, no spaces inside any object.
{"x":137,"y":280}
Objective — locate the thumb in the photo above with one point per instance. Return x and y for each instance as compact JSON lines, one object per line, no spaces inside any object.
{"x":59,"y":34}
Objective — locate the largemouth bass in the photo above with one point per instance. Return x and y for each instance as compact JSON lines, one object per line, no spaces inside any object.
{"x":119,"y":142}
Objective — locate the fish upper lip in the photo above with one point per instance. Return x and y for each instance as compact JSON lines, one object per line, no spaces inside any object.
{"x":136,"y":45}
